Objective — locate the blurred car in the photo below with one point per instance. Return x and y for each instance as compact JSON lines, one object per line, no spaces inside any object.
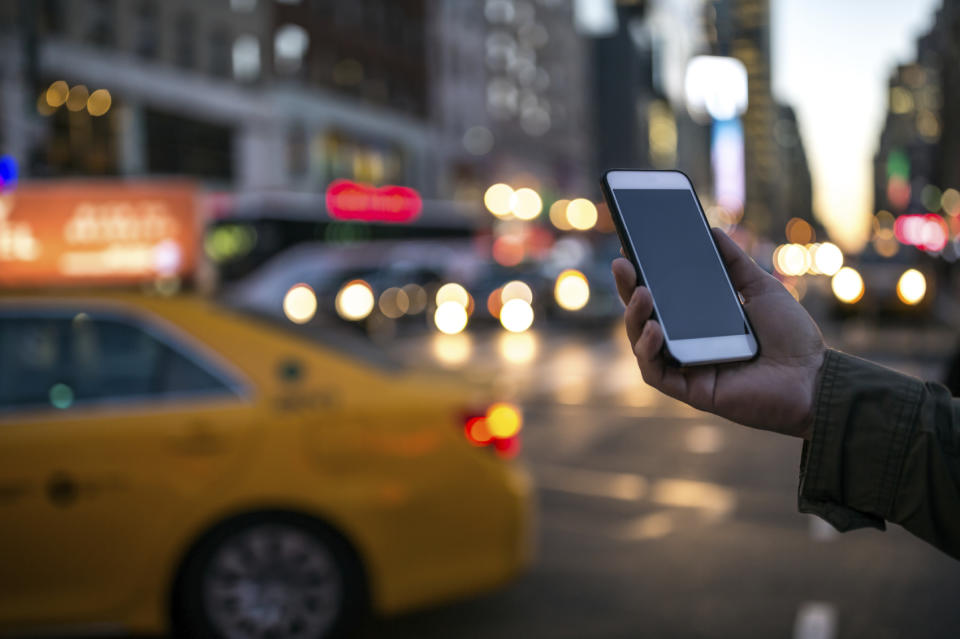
{"x":902,"y":285}
{"x":168,"y":465}
{"x":326,"y":268}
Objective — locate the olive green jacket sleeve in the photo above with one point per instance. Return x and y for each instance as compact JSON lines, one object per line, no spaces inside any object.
{"x":885,"y":447}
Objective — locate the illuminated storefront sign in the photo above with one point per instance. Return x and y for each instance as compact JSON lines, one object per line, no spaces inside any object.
{"x":348,"y":200}
{"x":60,"y":233}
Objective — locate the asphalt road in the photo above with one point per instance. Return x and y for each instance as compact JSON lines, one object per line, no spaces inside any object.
{"x":656,"y":520}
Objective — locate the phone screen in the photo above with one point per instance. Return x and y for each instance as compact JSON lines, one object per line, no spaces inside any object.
{"x":680,"y":264}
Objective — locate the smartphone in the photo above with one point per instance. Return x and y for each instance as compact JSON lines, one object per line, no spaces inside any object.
{"x":665,"y":233}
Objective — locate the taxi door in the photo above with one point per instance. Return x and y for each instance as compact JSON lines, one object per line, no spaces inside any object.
{"x":109,"y":430}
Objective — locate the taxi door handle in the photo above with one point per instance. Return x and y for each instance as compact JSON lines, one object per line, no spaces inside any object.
{"x":198,"y":438}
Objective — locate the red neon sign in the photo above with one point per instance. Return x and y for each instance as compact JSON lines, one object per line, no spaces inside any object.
{"x":348,"y":200}
{"x":928,"y":232}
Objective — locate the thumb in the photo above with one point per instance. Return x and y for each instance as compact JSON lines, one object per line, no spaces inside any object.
{"x":746,"y":275}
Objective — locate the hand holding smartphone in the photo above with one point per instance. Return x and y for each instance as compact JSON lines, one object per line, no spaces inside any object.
{"x":665,"y":234}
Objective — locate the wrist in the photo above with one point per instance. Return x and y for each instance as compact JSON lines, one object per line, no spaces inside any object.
{"x":815,"y":378}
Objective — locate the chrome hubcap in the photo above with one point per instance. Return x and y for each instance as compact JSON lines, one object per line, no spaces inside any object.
{"x":274,"y":581}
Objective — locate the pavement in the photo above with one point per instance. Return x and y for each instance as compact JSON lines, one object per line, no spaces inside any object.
{"x":656,"y":520}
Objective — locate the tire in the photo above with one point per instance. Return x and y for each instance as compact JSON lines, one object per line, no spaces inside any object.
{"x":278,"y":575}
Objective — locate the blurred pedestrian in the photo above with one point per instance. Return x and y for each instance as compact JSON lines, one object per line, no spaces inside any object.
{"x":878,"y":445}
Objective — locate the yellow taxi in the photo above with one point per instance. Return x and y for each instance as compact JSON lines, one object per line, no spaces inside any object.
{"x":171,"y":466}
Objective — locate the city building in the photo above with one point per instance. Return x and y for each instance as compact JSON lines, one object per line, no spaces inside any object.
{"x":906,"y":160}
{"x":943,"y":41}
{"x":511,"y":97}
{"x":916,"y":167}
{"x":638,"y":67}
{"x":253,"y":95}
{"x":794,"y":188}
{"x":245,"y":95}
{"x":741,"y":29}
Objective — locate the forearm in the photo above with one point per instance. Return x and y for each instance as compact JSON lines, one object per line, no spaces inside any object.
{"x":885,"y":446}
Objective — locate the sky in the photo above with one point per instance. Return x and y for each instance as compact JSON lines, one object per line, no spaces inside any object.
{"x":831,"y":61}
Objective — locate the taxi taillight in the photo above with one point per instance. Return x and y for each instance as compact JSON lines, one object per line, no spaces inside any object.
{"x":497,"y":428}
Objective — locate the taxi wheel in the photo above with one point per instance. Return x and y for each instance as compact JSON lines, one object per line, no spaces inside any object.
{"x":276,"y":575}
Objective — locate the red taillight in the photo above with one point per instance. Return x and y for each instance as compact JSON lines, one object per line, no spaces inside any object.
{"x":477,"y":432}
{"x":507,"y":448}
{"x":481,"y":432}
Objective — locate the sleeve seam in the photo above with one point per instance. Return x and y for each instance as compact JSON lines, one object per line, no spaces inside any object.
{"x":813,"y":477}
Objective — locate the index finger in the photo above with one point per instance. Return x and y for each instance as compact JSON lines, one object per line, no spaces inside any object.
{"x":626,"y":278}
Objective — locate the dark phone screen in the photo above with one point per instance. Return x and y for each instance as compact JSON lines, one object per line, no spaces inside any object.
{"x":680,"y":264}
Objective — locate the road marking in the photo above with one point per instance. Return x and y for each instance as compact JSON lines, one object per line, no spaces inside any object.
{"x":592,"y":483}
{"x":652,"y":526}
{"x":708,"y":498}
{"x":815,"y":620}
{"x":703,"y":439}
{"x":820,"y":530}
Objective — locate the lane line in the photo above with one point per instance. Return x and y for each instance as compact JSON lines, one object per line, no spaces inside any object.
{"x":706,"y":497}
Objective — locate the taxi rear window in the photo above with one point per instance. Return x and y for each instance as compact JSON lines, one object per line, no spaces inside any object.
{"x":62,"y":359}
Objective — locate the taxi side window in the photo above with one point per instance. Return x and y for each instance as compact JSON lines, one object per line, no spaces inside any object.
{"x":33,"y":359}
{"x":59,"y":361}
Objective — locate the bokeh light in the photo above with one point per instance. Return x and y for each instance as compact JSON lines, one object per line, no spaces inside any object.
{"x":847,"y":285}
{"x":930,"y":196}
{"x":526,"y":204}
{"x":300,"y":304}
{"x":61,"y":396}
{"x":516,"y":290}
{"x":928,"y":232}
{"x":791,"y":259}
{"x":394,"y":302}
{"x":885,"y":244}
{"x":812,"y":253}
{"x":417,"y":297}
{"x":453,"y":292}
{"x":516,"y":315}
{"x":898,"y":192}
{"x":450,"y":317}
{"x":507,"y":448}
{"x":504,"y":420}
{"x":43,"y":108}
{"x":558,"y":215}
{"x":495,"y":302}
{"x":828,"y":258}
{"x":478,"y":140}
{"x":950,"y":201}
{"x":477,"y":431}
{"x":99,"y":102}
{"x":572,"y":291}
{"x":452,"y":351}
{"x":508,"y":250}
{"x":56,"y":94}
{"x":911,"y":287}
{"x":77,"y":98}
{"x":355,"y":300}
{"x":883,"y":220}
{"x":518,"y":348}
{"x":499,"y":199}
{"x":582,"y":214}
{"x":799,"y":231}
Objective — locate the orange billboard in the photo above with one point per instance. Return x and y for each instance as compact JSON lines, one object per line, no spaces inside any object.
{"x":69,"y":233}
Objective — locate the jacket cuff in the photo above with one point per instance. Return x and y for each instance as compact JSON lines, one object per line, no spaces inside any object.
{"x":863,"y":418}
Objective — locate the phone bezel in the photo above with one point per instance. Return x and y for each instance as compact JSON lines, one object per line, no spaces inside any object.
{"x":686,"y":352}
